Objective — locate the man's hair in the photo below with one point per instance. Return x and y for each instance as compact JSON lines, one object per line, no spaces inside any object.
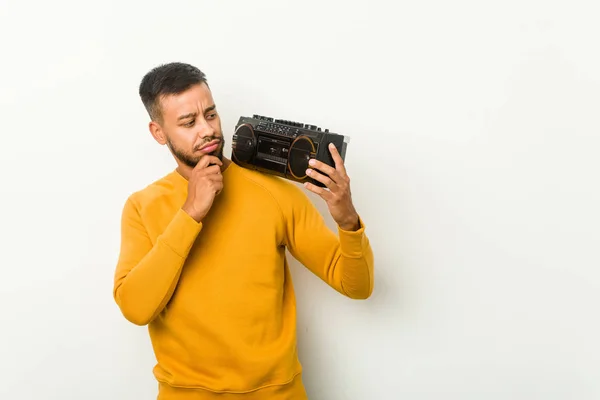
{"x":165,"y":79}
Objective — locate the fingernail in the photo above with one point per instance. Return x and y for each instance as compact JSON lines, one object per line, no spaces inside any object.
{"x":312,"y":161}
{"x":308,"y":171}
{"x":331,"y":145}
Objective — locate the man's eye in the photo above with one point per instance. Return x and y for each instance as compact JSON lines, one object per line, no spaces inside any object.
{"x":211,"y":116}
{"x":189,"y":124}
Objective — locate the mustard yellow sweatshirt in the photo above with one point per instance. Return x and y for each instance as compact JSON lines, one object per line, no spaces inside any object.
{"x":217,"y":296}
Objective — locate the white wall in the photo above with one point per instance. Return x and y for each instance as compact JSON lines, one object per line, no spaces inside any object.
{"x":474,"y":162}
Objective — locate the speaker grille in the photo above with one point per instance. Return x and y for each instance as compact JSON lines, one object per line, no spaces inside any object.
{"x":244,"y":143}
{"x":300,"y":152}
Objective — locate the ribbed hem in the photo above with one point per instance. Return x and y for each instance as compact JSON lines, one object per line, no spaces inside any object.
{"x":292,"y":390}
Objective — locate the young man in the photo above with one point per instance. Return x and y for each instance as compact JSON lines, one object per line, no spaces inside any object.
{"x":202,"y":259}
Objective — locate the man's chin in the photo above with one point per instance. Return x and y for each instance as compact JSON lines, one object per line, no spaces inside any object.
{"x":219,"y":151}
{"x":192,"y":163}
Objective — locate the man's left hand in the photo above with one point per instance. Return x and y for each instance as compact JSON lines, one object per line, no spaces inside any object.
{"x":337,"y":191}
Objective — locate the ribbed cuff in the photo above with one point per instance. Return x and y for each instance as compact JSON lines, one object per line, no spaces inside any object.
{"x":351,"y":242}
{"x":181,"y":233}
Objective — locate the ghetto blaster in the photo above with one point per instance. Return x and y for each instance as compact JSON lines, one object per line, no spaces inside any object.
{"x":283,"y":148}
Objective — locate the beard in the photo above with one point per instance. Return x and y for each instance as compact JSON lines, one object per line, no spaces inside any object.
{"x":191,"y":160}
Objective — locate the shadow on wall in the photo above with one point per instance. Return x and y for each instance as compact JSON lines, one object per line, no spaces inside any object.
{"x":519,"y":149}
{"x":332,"y":327}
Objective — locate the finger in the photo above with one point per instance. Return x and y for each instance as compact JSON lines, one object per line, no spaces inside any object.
{"x":212,"y":179}
{"x":212,"y":170}
{"x":206,"y":160}
{"x":208,"y":167}
{"x":331,"y":185}
{"x":337,"y":158}
{"x":326,"y":169}
{"x":217,"y":182}
{"x":216,"y":177}
{"x":324,"y":193}
{"x":209,"y":172}
{"x":218,"y":187}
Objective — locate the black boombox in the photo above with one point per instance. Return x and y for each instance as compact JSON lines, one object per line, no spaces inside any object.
{"x":283,"y":148}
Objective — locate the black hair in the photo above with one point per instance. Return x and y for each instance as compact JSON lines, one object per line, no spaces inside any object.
{"x":165,"y":79}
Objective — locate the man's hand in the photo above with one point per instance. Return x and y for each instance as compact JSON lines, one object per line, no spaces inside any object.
{"x":337,"y":192}
{"x":204,"y":184}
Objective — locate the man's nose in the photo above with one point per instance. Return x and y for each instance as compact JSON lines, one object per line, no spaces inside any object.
{"x":205,"y":129}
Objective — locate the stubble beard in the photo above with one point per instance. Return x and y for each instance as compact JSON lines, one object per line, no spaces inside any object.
{"x":190,"y":160}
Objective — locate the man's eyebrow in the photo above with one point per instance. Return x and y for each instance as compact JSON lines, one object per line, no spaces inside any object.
{"x":189,"y":115}
{"x":193,"y":114}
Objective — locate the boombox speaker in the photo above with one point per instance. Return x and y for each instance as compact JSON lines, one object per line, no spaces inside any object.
{"x":283,"y":148}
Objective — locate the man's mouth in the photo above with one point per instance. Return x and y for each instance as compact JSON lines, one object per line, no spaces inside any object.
{"x":210,"y":146}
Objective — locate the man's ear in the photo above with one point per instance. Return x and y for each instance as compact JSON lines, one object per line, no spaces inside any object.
{"x":157,"y":132}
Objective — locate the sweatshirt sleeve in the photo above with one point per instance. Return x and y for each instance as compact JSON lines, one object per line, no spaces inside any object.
{"x":344,"y":261}
{"x":147,"y":274}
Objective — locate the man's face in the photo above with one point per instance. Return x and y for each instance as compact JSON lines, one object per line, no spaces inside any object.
{"x":191,"y":126}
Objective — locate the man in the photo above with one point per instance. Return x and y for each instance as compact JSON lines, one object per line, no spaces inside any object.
{"x":202,"y":259}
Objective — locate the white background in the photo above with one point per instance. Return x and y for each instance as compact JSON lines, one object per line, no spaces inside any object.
{"x":475,"y":136}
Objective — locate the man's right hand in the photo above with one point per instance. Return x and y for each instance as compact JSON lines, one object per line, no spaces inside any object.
{"x":204,"y":184}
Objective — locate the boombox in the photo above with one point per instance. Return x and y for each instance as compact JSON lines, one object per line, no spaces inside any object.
{"x":283,"y":148}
